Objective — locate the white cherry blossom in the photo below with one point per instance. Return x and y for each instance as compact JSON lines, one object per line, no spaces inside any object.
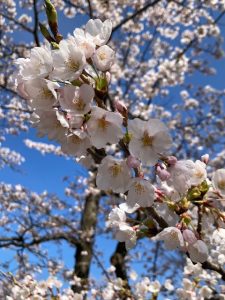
{"x":83,"y":42}
{"x":218,"y":181}
{"x":198,"y":251}
{"x":124,"y":232}
{"x":199,"y":173}
{"x":75,"y":121}
{"x":127,"y":234}
{"x":141,"y":192}
{"x":113,"y":175}
{"x":77,"y":100}
{"x":97,"y":31}
{"x":104,"y":127}
{"x":104,"y":58}
{"x":149,"y":139}
{"x":69,"y":61}
{"x":189,"y":236}
{"x":76,"y":143}
{"x":172,"y":238}
{"x":48,"y":124}
{"x":40,"y":64}
{"x":181,"y":174}
{"x":116,"y":216}
{"x":42,"y":93}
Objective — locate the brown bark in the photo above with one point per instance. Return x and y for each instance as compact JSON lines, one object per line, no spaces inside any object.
{"x":84,"y":250}
{"x":118,"y":261}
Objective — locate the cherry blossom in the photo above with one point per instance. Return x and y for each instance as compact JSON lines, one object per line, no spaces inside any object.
{"x":77,"y":100}
{"x":113,"y":175}
{"x":104,"y":127}
{"x":42,"y":93}
{"x":141,"y":192}
{"x":40,"y":64}
{"x":198,"y":251}
{"x":124,"y":232}
{"x":76,"y":143}
{"x":218,"y":180}
{"x":172,"y":237}
{"x":149,"y":140}
{"x":69,"y":61}
{"x":83,"y":42}
{"x":97,"y":31}
{"x":103,"y":58}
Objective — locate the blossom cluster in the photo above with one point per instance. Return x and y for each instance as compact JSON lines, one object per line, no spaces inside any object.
{"x":61,"y":84}
{"x":67,"y":87}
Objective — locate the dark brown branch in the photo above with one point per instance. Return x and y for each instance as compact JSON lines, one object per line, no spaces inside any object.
{"x":153,"y":213}
{"x":210,"y":266}
{"x":156,"y":255}
{"x":118,"y":261}
{"x":36,"y":22}
{"x":135,"y":14}
{"x":199,"y":226}
{"x":90,"y":9}
{"x":28,"y":29}
{"x":19,"y":241}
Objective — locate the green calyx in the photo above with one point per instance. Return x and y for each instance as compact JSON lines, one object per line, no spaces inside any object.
{"x":101,"y":84}
{"x":198,"y":192}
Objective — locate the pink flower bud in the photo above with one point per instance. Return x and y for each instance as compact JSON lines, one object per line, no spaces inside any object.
{"x":120,"y":107}
{"x":159,"y":193}
{"x":189,"y":236}
{"x":205,"y":158}
{"x":133,"y":162}
{"x":171,"y":160}
{"x":21,"y":91}
{"x":179,"y":226}
{"x":162,"y":173}
{"x":108,"y":77}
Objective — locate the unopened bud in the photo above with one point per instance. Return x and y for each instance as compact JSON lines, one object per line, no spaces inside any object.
{"x":21,"y":91}
{"x":133,"y":162}
{"x":50,"y":11}
{"x":189,"y":236}
{"x":162,"y":173}
{"x":159,"y":195}
{"x":171,"y":160}
{"x":52,"y":20}
{"x":108,"y":77}
{"x":205,"y":158}
{"x":179,"y":226}
{"x":120,"y":107}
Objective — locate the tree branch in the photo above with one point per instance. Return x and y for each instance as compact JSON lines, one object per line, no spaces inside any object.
{"x":118,"y":261}
{"x":210,"y":266}
{"x":84,"y":251}
{"x":36,"y":28}
{"x":135,"y":14}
